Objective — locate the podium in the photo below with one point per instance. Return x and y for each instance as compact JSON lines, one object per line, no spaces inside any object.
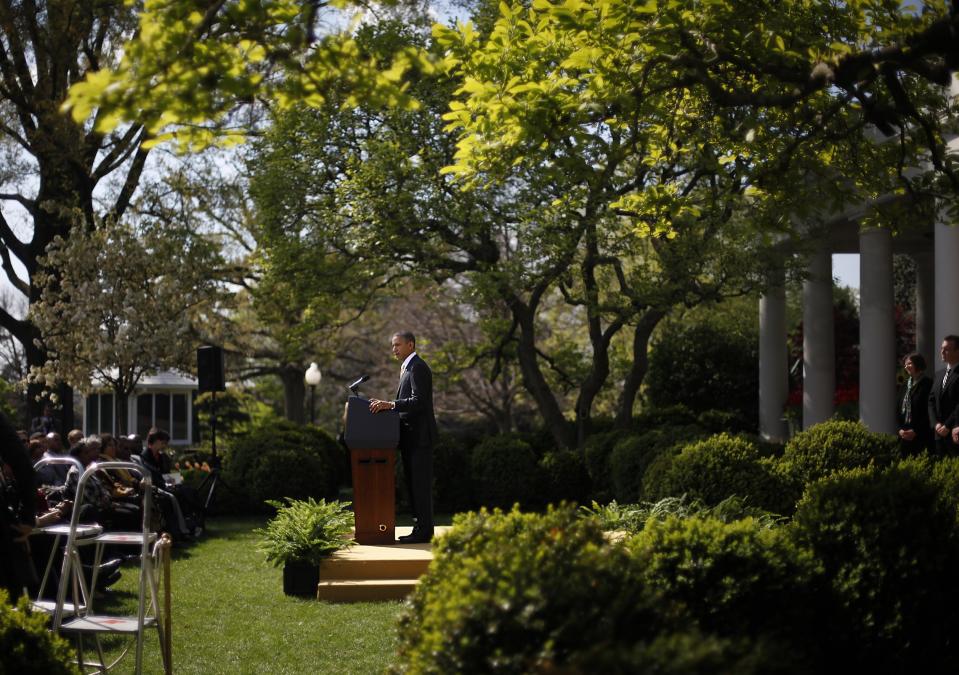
{"x":372,"y":440}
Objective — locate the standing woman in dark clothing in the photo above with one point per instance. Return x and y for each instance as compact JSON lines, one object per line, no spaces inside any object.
{"x":18,"y":505}
{"x":915,"y":434}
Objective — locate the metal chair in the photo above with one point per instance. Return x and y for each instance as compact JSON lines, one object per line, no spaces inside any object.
{"x":84,"y":622}
{"x":84,"y":532}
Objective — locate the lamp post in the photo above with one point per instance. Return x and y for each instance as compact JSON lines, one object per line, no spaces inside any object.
{"x":313,"y":377}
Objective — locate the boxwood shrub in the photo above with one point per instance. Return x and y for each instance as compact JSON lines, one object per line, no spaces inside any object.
{"x":634,"y":455}
{"x":596,"y":452}
{"x":280,"y":459}
{"x":547,"y":593}
{"x":889,"y":546}
{"x":26,"y":643}
{"x":564,"y":476}
{"x":505,"y":472}
{"x":742,"y":581}
{"x":831,"y":446}
{"x":714,"y":469}
{"x":452,"y":481}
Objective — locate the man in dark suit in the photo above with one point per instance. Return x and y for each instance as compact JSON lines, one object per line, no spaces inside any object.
{"x":414,"y":403}
{"x":944,"y":399}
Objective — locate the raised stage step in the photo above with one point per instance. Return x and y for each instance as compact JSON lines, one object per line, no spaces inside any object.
{"x":365,"y":573}
{"x":364,"y":590}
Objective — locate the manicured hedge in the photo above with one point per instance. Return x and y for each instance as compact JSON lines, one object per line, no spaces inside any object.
{"x":714,"y":469}
{"x":740,"y":581}
{"x":280,"y":459}
{"x":633,"y":456}
{"x":505,"y":472}
{"x":834,"y":445}
{"x":564,"y":477}
{"x":452,"y":474}
{"x":26,"y":643}
{"x":889,"y":546}
{"x":524,"y":593}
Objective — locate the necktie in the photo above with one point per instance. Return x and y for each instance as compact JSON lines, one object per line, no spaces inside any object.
{"x":945,"y":377}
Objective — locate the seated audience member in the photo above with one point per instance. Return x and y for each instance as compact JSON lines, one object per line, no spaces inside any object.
{"x":97,"y":504}
{"x":17,"y":511}
{"x":156,"y":461}
{"x":53,"y":474}
{"x":36,"y":448}
{"x":74,"y":437}
{"x":46,"y":422}
{"x":121,"y":482}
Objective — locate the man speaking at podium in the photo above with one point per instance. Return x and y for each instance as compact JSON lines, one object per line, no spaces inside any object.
{"x":414,"y":403}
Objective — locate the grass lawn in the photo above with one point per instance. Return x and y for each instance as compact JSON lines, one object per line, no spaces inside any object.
{"x":230,"y":615}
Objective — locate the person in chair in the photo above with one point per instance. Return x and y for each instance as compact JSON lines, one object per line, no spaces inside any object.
{"x":418,"y":432}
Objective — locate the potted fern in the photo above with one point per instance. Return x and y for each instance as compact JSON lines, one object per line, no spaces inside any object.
{"x":300,"y":535}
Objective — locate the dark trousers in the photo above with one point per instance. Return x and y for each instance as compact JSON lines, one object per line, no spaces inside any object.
{"x":418,"y":472}
{"x":945,"y":447}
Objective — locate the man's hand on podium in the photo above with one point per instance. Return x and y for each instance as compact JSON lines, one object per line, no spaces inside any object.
{"x":378,"y":406}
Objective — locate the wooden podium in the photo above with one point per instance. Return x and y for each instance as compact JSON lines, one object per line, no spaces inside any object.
{"x":372,"y":440}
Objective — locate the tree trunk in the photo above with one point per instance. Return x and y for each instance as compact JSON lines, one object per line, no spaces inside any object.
{"x":634,"y":379}
{"x":535,"y":383}
{"x":67,"y":419}
{"x":294,"y":393}
{"x":120,"y":413}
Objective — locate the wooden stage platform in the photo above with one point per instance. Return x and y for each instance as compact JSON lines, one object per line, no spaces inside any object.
{"x":365,"y":573}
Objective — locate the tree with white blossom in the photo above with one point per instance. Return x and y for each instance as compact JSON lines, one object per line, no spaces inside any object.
{"x":121,"y":306}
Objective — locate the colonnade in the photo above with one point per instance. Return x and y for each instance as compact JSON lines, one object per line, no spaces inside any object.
{"x":937,"y":314}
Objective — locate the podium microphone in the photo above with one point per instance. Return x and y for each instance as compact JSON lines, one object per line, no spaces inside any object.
{"x":358,"y":383}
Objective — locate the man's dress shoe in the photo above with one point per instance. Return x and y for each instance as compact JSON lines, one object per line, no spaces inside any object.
{"x":416,"y":538}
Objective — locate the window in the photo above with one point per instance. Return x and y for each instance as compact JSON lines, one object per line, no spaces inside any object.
{"x":167,"y":411}
{"x":99,"y":414}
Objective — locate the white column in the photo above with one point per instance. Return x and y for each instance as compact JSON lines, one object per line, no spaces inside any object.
{"x":877,"y":332}
{"x":926,"y":340}
{"x":773,"y":360}
{"x":947,"y":280}
{"x":818,"y":346}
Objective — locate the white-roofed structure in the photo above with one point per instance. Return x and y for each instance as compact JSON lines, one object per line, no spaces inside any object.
{"x":164,"y":400}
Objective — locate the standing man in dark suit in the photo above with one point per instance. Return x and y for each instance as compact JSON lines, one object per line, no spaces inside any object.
{"x":414,"y":403}
{"x":944,"y":399}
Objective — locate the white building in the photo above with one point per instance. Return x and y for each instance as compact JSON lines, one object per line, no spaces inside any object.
{"x":164,"y":400}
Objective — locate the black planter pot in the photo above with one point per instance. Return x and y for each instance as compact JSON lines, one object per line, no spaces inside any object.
{"x":301,"y":578}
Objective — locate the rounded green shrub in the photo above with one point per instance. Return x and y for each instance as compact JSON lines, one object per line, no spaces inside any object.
{"x":280,"y":459}
{"x":834,"y":445}
{"x":535,"y":593}
{"x":945,"y":473}
{"x":597,"y":451}
{"x":505,"y":472}
{"x":889,"y":547}
{"x":565,"y":477}
{"x":452,"y":482}
{"x":742,"y":581}
{"x":522,"y":593}
{"x":657,"y":417}
{"x":714,"y":469}
{"x":26,"y":644}
{"x":632,"y":457}
{"x":702,"y":364}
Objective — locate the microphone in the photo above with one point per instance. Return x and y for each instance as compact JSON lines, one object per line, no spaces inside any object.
{"x":358,"y":383}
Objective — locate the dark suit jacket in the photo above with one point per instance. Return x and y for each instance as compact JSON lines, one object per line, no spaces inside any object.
{"x":944,"y":404}
{"x":919,"y":400}
{"x":414,"y":403}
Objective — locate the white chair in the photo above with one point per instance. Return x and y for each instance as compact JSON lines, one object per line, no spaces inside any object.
{"x":84,"y":532}
{"x":83,"y":621}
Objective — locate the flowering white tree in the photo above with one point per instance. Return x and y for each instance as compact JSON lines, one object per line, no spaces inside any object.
{"x":120,"y":306}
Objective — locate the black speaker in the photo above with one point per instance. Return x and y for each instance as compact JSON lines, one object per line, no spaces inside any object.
{"x":209,"y":368}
